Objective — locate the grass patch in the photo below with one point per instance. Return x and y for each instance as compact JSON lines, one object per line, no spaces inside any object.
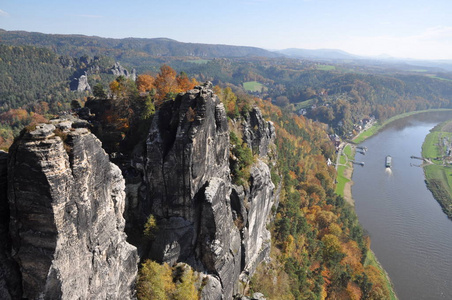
{"x":429,"y":147}
{"x":341,"y":180}
{"x":437,"y":77}
{"x":304,"y":104}
{"x":371,"y":260}
{"x":344,"y":161}
{"x":253,"y":86}
{"x":348,"y":152}
{"x":438,"y":175}
{"x":325,"y":67}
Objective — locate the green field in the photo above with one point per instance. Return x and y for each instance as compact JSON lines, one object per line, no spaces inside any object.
{"x":325,"y":67}
{"x":437,"y":77}
{"x":303,"y":104}
{"x":438,"y":175}
{"x":253,"y":86}
{"x":347,"y":155}
{"x":341,"y":181}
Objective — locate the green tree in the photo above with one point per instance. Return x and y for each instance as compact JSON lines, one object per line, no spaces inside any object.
{"x":99,"y":91}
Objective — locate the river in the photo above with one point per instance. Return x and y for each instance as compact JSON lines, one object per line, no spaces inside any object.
{"x":410,"y":234}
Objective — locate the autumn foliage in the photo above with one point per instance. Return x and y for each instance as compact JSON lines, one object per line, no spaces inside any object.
{"x":319,"y":247}
{"x":165,"y":84}
{"x":162,"y":282}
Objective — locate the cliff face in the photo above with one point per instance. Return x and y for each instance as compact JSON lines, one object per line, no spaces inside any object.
{"x":66,"y":202}
{"x":203,"y":219}
{"x":10,"y":279}
{"x":61,"y":218}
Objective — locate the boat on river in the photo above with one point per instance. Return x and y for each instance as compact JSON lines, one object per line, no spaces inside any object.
{"x":388,"y":161}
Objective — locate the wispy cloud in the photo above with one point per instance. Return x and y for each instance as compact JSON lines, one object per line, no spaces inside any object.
{"x":3,"y":13}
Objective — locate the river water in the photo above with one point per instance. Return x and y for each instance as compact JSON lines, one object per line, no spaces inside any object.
{"x":410,"y":234}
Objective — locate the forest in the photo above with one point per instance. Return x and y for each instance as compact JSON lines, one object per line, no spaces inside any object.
{"x":340,"y":95}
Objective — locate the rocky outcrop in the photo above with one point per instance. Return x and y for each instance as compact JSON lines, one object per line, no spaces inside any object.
{"x":83,"y":84}
{"x":203,"y":219}
{"x":66,"y":202}
{"x":119,"y":70}
{"x":258,"y":133}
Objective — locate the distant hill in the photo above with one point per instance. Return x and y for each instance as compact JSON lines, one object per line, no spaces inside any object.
{"x":323,"y":54}
{"x":78,"y":45}
{"x":383,"y":60}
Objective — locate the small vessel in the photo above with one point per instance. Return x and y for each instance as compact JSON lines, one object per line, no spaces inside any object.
{"x":388,"y":161}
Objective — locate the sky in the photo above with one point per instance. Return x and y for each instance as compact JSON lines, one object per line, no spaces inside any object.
{"x":417,"y":29}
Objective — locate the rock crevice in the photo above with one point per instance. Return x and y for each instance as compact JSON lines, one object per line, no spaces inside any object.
{"x":190,"y":193}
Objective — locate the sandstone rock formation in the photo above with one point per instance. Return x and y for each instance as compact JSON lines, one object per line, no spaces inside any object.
{"x":62,"y":218}
{"x":10,"y":279}
{"x":119,"y":70}
{"x":66,"y":202}
{"x":189,"y":191}
{"x":83,"y":84}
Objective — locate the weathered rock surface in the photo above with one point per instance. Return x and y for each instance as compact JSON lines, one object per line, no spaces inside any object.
{"x":258,"y":133}
{"x":83,"y":84}
{"x":66,"y":202}
{"x":10,"y":279}
{"x":189,"y":191}
{"x":119,"y":70}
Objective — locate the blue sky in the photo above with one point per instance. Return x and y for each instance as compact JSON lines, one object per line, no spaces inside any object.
{"x":400,"y":28}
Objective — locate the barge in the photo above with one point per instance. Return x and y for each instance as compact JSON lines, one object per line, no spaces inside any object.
{"x":388,"y":161}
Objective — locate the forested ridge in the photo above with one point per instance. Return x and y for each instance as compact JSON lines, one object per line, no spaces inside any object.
{"x":340,"y":94}
{"x":126,"y":49}
{"x":37,"y":84}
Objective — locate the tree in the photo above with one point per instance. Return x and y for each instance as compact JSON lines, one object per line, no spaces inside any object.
{"x":150,"y":227}
{"x":185,"y":283}
{"x":184,"y":83}
{"x":155,"y":281}
{"x":99,"y":91}
{"x":145,"y":83}
{"x":332,"y":248}
{"x":165,"y":83}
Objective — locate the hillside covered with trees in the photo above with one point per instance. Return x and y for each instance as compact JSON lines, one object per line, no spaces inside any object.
{"x":319,"y":249}
{"x":340,"y":95}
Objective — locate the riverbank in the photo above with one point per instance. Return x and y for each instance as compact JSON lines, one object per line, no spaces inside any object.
{"x":364,"y":135}
{"x":438,"y":174}
{"x":371,"y":260}
{"x":344,"y":167}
